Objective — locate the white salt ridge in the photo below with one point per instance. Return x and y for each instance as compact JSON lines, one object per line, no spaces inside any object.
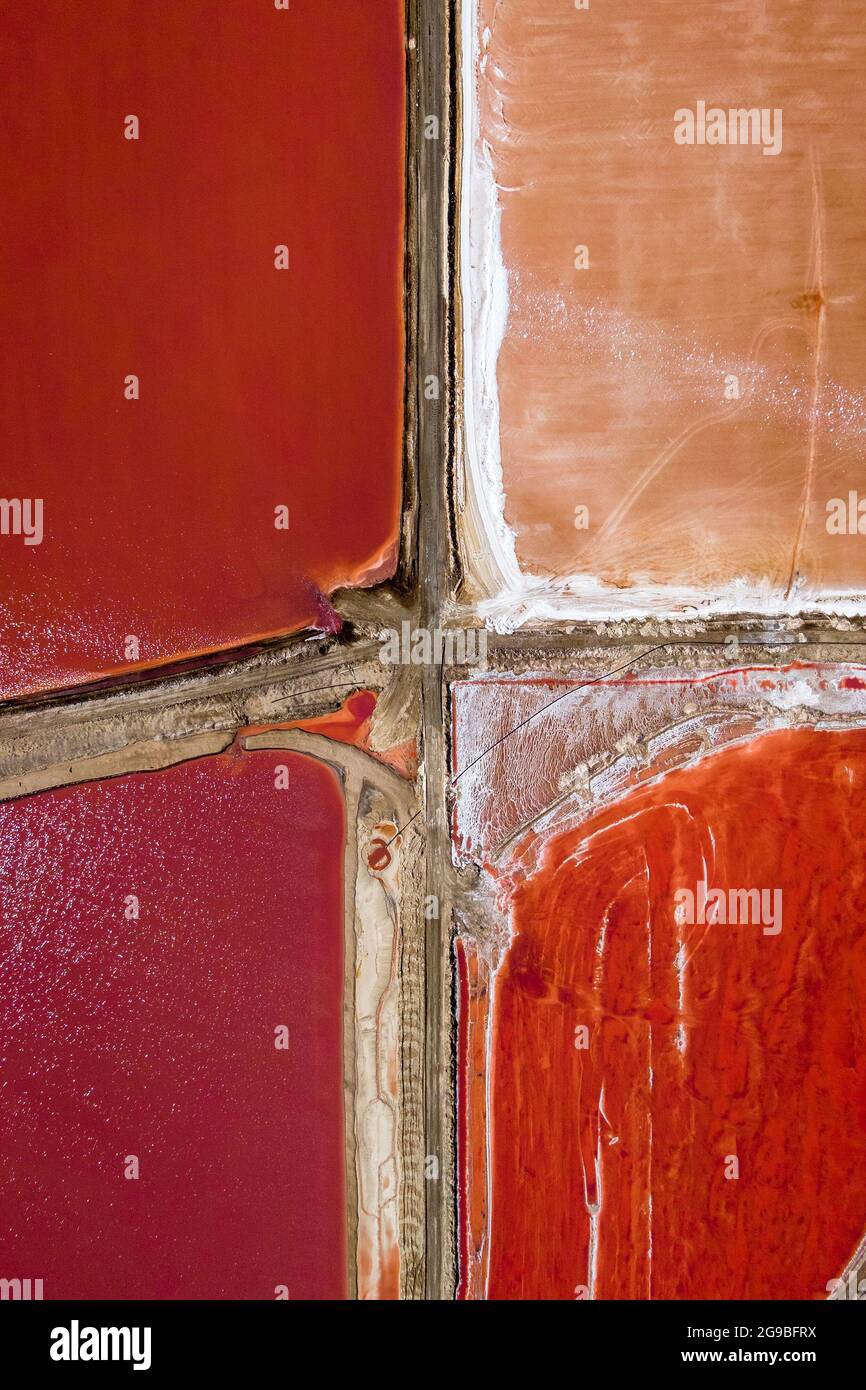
{"x":697,"y":713}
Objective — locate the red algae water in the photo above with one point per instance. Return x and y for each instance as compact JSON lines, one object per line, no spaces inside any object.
{"x":166,"y":387}
{"x":677,"y":1107}
{"x":171,"y":996}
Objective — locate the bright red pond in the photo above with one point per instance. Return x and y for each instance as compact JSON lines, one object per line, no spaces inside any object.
{"x":156,"y":1037}
{"x":259,"y":387}
{"x":610,"y":1172}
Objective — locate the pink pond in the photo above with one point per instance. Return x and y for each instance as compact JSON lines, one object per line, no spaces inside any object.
{"x":154,"y":1038}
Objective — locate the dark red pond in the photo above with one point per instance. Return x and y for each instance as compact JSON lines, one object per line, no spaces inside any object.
{"x":153,"y":1037}
{"x":258,"y":388}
